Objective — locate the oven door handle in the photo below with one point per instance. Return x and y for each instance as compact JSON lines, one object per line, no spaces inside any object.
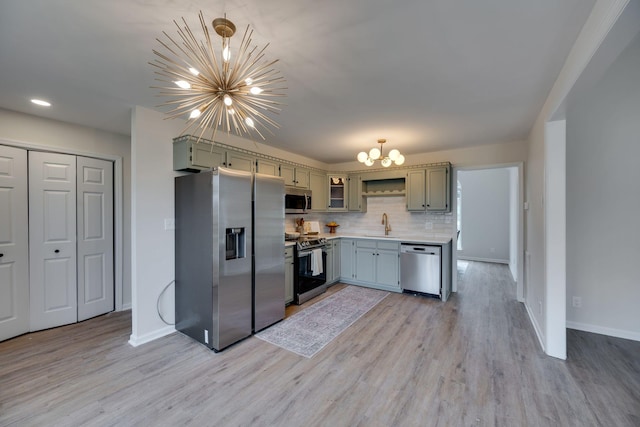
{"x":306,"y":253}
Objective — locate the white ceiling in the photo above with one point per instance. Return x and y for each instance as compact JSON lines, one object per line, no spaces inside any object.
{"x":425,"y":74}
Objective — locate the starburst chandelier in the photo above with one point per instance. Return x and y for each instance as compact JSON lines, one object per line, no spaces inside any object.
{"x":230,"y":91}
{"x":375,"y":153}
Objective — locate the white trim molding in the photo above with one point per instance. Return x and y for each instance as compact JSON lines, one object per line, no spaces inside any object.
{"x":618,"y":333}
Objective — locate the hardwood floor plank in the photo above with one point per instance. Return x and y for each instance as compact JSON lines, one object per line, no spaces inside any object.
{"x":410,"y":361}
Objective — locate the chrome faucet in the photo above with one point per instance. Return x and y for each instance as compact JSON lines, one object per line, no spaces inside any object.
{"x":387,"y":226}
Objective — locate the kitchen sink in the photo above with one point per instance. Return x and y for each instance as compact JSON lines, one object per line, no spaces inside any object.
{"x":379,"y":236}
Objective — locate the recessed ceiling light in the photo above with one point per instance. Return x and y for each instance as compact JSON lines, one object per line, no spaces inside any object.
{"x":41,"y":103}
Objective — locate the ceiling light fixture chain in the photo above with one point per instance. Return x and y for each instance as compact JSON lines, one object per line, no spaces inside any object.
{"x":234,"y":91}
{"x":375,"y":153}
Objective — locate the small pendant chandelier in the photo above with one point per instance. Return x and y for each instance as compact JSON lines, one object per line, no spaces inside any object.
{"x":375,"y":153}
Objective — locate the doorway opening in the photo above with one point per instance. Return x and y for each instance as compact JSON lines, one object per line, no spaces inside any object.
{"x":490,"y":219}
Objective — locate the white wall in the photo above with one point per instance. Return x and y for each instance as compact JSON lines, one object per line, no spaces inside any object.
{"x":602,"y":19}
{"x":152,"y":246}
{"x":485,"y":215}
{"x":64,"y":137}
{"x":603,"y":201}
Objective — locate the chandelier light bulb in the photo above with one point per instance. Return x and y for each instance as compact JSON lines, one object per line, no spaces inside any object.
{"x":386,"y":162}
{"x":362,"y":156}
{"x":399,"y":160}
{"x":183,"y":84}
{"x":194,"y":71}
{"x":256,"y":90}
{"x":195,"y":114}
{"x":231,"y":111}
{"x":248,"y":81}
{"x":226,"y":53}
{"x":227,"y":100}
{"x":369,"y":161}
{"x":249,"y":122}
{"x":374,"y":153}
{"x":393,"y":154}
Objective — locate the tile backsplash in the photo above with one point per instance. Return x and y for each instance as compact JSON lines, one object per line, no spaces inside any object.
{"x":402,"y":222}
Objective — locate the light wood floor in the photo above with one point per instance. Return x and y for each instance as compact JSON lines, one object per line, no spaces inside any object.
{"x":411,"y":361}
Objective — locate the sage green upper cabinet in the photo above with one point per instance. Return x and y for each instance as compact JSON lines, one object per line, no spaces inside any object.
{"x":239,"y":161}
{"x":356,"y":203}
{"x":294,"y":176}
{"x":415,"y":189}
{"x":193,"y":157}
{"x":318,"y":187}
{"x":439,"y":188}
{"x":337,"y":193}
{"x":267,"y":167}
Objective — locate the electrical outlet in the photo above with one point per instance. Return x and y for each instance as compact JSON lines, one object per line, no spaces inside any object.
{"x":169,"y":224}
{"x":577,"y":302}
{"x":492,"y":250}
{"x":428,"y":225}
{"x":540,"y":307}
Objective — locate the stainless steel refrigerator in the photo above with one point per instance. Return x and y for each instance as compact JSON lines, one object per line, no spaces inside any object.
{"x":268,"y":247}
{"x":214,"y":253}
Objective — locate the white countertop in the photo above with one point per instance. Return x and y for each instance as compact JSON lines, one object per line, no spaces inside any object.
{"x":429,"y":239}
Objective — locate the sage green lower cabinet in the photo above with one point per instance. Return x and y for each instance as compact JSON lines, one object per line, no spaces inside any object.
{"x":288,"y":275}
{"x":347,"y":260}
{"x":333,"y":261}
{"x":337,"y":260}
{"x":329,"y":264}
{"x":371,"y":263}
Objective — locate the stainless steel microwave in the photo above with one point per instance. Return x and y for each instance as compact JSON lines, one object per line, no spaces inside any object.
{"x":296,"y":200}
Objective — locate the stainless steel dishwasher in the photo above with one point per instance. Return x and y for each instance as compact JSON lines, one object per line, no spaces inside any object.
{"x":420,"y":268}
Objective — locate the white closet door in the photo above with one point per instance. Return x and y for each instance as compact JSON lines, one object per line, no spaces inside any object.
{"x":95,"y":237}
{"x":14,"y":251}
{"x":52,"y":239}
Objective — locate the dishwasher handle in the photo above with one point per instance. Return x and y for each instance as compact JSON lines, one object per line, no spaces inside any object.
{"x":420,"y":249}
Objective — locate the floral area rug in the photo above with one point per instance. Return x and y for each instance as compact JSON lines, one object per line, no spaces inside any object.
{"x":308,"y":331}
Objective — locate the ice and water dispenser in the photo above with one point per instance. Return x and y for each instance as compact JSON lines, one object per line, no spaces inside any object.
{"x":235,"y":243}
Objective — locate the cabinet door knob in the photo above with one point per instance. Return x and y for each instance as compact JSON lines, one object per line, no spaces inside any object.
{"x":1,"y":255}
{"x":57,"y":251}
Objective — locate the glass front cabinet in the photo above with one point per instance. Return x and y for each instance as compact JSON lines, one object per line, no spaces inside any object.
{"x":337,"y":192}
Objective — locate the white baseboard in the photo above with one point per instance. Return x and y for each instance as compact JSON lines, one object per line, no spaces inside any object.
{"x":618,"y":333}
{"x":158,"y":333}
{"x":125,"y":307}
{"x":473,"y":258}
{"x":536,"y":328}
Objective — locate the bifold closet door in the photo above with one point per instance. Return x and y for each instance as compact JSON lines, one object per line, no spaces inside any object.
{"x":14,"y":236}
{"x":52,"y":239}
{"x":95,"y":237}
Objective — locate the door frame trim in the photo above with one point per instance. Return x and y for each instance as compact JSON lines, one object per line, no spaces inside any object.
{"x":118,"y":205}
